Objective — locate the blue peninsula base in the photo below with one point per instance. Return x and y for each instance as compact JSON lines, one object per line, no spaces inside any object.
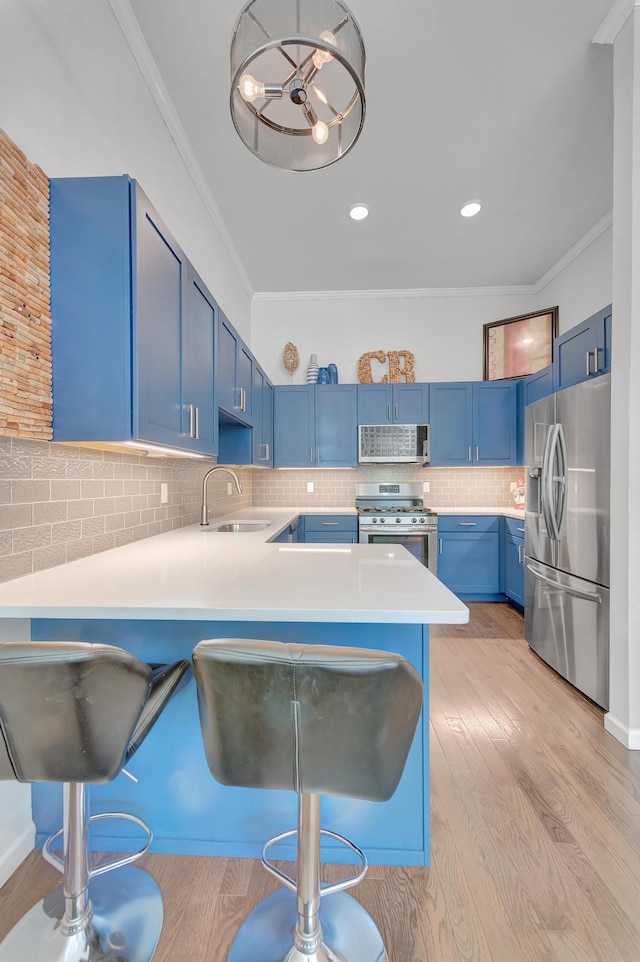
{"x":189,"y":812}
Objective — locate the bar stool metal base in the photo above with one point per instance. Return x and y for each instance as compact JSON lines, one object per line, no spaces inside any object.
{"x":125,"y":926}
{"x":349,"y":932}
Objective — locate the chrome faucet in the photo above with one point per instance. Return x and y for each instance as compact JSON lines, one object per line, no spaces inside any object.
{"x":204,"y":510}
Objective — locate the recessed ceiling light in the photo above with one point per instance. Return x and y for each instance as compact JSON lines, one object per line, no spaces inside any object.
{"x":471,"y":208}
{"x":359,"y":212}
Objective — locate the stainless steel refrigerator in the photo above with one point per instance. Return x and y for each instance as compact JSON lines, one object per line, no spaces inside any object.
{"x":567,"y":534}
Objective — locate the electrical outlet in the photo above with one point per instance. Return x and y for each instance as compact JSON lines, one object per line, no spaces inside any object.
{"x":229,"y":487}
{"x":426,"y":487}
{"x":309,"y":487}
{"x":164,"y":493}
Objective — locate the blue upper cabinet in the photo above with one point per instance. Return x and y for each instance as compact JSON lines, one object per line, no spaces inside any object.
{"x":451,"y":423}
{"x":234,"y":373}
{"x":584,"y":351}
{"x":538,"y":385}
{"x":200,"y":423}
{"x":263,"y":418}
{"x":405,"y":403}
{"x":315,"y":426}
{"x":474,"y":423}
{"x":121,"y":322}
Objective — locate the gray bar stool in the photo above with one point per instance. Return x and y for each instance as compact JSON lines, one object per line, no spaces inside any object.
{"x":75,"y":713}
{"x":315,"y":720}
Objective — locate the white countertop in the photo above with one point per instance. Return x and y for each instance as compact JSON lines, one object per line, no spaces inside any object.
{"x":196,"y":573}
{"x":497,"y":512}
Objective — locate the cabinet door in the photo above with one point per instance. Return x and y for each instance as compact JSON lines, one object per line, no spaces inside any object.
{"x":336,"y":426}
{"x":375,"y":404}
{"x":159,"y":288}
{"x":294,"y":435}
{"x":267,"y":422}
{"x":262,"y":403}
{"x":200,"y":422}
{"x":244,"y":381}
{"x":228,"y":398}
{"x":451,"y":423}
{"x":538,"y":385}
{"x":469,"y":563}
{"x":495,"y":423}
{"x":411,"y":403}
{"x":514,"y":568}
{"x":584,"y":351}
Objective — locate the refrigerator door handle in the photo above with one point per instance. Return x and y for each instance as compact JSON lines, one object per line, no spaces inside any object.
{"x":574,"y":592}
{"x":546,"y":486}
{"x":561,"y":478}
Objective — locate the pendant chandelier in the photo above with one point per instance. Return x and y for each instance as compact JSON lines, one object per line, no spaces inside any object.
{"x":297,"y":81}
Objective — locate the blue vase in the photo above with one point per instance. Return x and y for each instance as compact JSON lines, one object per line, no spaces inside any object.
{"x":323,"y":376}
{"x":333,"y":374}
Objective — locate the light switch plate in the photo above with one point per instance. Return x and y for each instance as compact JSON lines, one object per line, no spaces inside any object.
{"x":164,"y":493}
{"x":309,"y":487}
{"x":229,"y":487}
{"x":426,"y":487}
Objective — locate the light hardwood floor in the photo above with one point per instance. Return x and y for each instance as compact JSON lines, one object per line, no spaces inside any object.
{"x":535,"y":828}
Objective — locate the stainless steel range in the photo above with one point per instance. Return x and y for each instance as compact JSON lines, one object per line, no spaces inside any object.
{"x":393,"y":513}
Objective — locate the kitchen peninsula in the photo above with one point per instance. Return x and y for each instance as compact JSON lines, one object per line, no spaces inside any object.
{"x":159,"y":597}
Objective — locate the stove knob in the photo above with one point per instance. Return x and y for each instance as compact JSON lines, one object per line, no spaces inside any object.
{"x":374,"y":520}
{"x":398,"y":520}
{"x":421,"y":520}
{"x":382,"y":520}
{"x":414,"y":520}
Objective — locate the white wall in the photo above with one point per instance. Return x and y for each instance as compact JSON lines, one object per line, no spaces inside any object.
{"x":73,"y":99}
{"x":444,"y":333}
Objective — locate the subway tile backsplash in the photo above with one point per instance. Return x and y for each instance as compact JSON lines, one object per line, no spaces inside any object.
{"x":60,"y":502}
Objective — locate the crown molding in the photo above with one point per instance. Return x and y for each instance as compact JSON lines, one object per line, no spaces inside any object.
{"x":135,"y":38}
{"x":615,"y":21}
{"x":524,"y":289}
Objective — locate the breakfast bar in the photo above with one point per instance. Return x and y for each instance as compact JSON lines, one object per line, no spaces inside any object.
{"x":159,"y":597}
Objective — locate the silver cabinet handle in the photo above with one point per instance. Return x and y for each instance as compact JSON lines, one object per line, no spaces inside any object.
{"x":596,"y":366}
{"x":244,"y":399}
{"x":520,"y":529}
{"x":197,"y":422}
{"x":520,"y":554}
{"x":439,"y":545}
{"x":317,"y":455}
{"x":310,"y":455}
{"x":397,"y":415}
{"x":469,"y":453}
{"x":477,"y":453}
{"x":266,"y":452}
{"x":588,"y":360}
{"x":331,"y":523}
{"x":467,"y":524}
{"x":388,"y":412}
{"x":192,"y":421}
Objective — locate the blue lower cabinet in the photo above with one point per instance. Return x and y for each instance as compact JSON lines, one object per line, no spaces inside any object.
{"x":513,"y":564}
{"x":189,"y":811}
{"x":469,"y":556}
{"x":330,"y":528}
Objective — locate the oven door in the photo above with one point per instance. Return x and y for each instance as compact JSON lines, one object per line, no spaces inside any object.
{"x":421,"y":545}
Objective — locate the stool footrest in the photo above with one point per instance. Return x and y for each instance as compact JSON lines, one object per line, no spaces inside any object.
{"x":324,"y":889}
{"x":58,"y":863}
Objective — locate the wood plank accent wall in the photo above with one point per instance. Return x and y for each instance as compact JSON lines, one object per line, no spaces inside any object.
{"x":25,"y":304}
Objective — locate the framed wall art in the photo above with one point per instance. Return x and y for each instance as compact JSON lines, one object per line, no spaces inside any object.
{"x":519,"y":346}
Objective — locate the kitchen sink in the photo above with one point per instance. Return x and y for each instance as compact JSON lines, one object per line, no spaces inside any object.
{"x":240,"y":527}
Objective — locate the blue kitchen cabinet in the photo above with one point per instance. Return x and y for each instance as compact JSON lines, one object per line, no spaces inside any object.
{"x":331,"y":528}
{"x":469,"y":556}
{"x":473,"y":423}
{"x":234,"y":373}
{"x":584,"y":351}
{"x":514,"y":560}
{"x":126,"y":321}
{"x":405,"y":403}
{"x":538,"y":385}
{"x":315,"y":426}
{"x":262,"y":396}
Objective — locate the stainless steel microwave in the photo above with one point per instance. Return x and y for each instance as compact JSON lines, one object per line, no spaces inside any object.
{"x":393,"y":443}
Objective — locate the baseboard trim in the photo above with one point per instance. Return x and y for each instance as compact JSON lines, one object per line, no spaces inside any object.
{"x":630,"y":737}
{"x":12,"y":857}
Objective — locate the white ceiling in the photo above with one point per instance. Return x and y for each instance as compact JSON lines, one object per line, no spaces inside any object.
{"x":508,"y":101}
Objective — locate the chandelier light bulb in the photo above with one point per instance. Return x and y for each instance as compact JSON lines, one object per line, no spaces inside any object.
{"x":250,"y":88}
{"x":321,"y":57}
{"x":320,"y":132}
